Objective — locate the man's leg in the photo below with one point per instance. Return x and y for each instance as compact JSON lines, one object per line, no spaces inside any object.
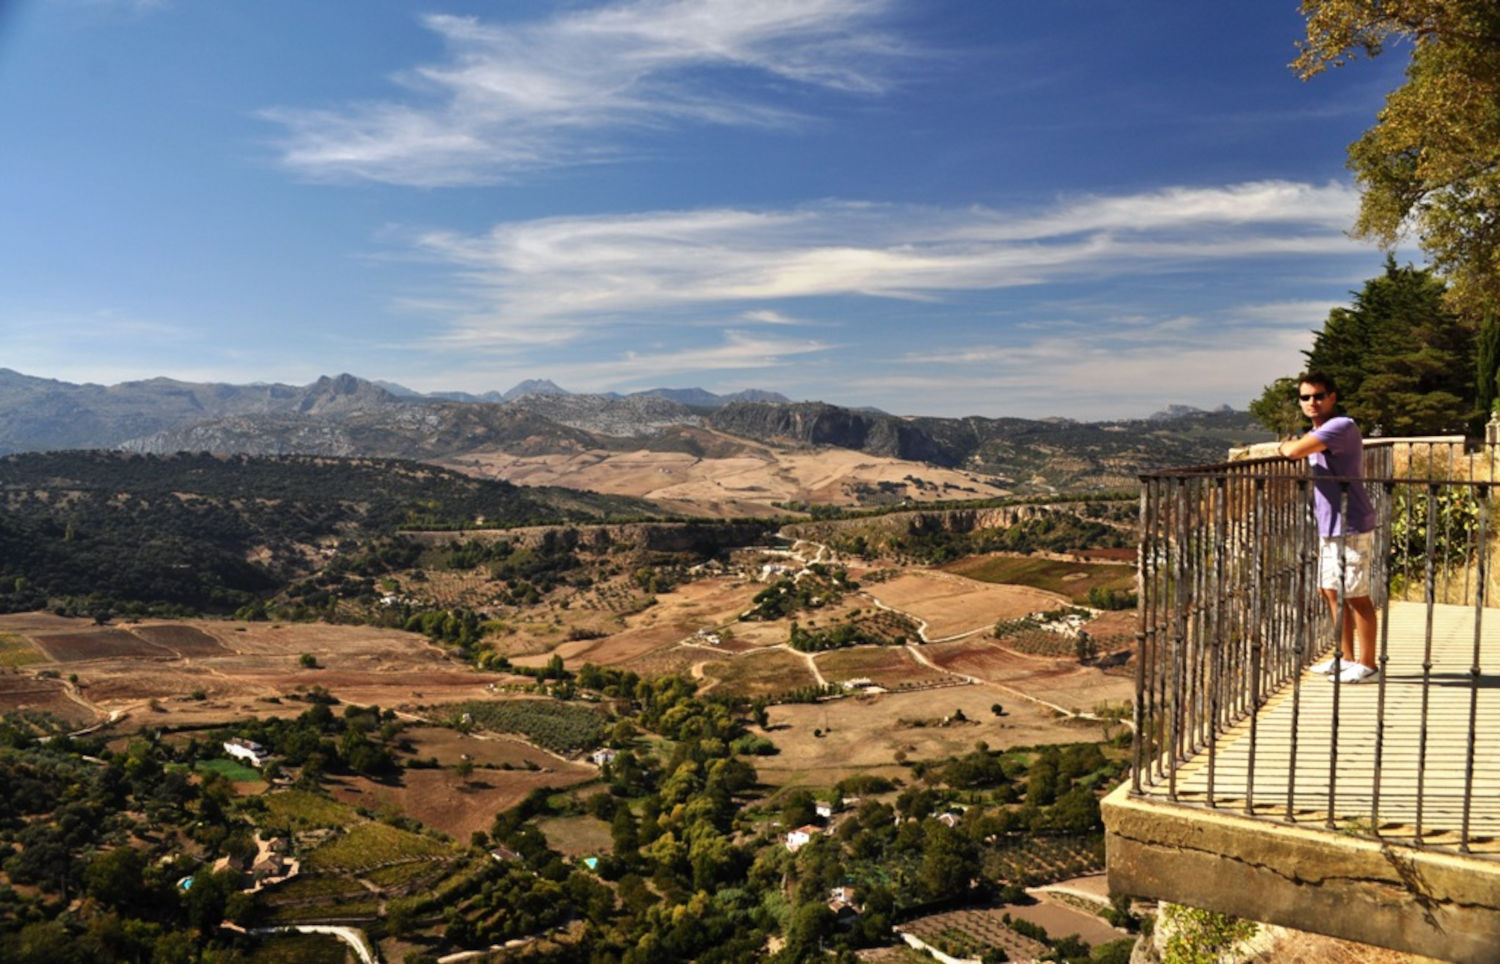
{"x":1363,"y":611}
{"x":1344,"y":627}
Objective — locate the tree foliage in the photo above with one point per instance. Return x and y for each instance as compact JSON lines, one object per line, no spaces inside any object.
{"x":1487,"y":368}
{"x":1431,"y":161}
{"x":1276,"y":408}
{"x":1404,"y":362}
{"x":176,"y":534}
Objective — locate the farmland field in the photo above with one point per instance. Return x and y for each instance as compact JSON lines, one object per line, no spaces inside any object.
{"x":764,"y":673}
{"x":577,"y":836}
{"x":1066,"y":578}
{"x":183,"y":640}
{"x":299,"y":949}
{"x":505,"y":771}
{"x":667,"y":662}
{"x":301,"y":810}
{"x":99,"y":644}
{"x":862,"y":734}
{"x":16,"y":651}
{"x":39,"y":695}
{"x":973,"y":933}
{"x":1061,"y":682}
{"x":557,"y":726}
{"x":888,"y":667}
{"x":951,"y":604}
{"x":248,"y":669}
{"x":1029,"y":859}
{"x":369,"y":845}
{"x":235,"y":772}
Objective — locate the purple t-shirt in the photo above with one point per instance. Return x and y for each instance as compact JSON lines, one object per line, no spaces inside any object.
{"x":1343,"y":457}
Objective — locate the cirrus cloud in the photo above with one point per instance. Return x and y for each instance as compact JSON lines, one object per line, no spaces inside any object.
{"x":517,"y":97}
{"x":554,"y":279}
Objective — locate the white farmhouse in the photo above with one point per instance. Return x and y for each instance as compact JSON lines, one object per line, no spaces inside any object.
{"x":247,"y":750}
{"x":797,"y":839}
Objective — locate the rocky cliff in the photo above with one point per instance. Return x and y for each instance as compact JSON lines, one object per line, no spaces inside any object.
{"x":818,"y":423}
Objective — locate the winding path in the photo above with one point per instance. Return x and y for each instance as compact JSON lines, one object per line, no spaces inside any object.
{"x":352,"y":936}
{"x":917,"y":654}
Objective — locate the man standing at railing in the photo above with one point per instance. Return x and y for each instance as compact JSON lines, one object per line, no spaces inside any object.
{"x":1335,"y":450}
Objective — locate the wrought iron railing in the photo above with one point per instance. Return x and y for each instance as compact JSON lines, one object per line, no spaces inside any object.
{"x":1231,"y":616}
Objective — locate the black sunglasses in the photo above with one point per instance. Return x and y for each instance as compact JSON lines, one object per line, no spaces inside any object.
{"x":1314,"y":397}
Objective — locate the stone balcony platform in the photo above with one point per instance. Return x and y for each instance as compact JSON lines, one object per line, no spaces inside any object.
{"x":1387,"y":842}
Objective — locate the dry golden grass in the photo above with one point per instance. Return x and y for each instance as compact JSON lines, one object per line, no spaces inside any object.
{"x":743,"y":480}
{"x":952,"y":604}
{"x":863,"y":734}
{"x":1066,"y":578}
{"x":764,"y":673}
{"x":254,"y":668}
{"x":887,"y":666}
{"x":577,"y":836}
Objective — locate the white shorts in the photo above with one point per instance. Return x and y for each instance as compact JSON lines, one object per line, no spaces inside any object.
{"x":1356,"y":565}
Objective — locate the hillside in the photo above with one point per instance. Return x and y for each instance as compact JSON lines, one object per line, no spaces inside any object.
{"x":349,"y":417}
{"x":42,"y":413}
{"x":200,"y":532}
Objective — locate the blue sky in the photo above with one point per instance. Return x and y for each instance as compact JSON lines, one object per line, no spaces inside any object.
{"x":1088,"y":208}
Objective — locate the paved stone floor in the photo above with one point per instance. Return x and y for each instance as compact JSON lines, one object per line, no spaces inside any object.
{"x":1422,"y":756}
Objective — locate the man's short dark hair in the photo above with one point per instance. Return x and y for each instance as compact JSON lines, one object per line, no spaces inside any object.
{"x":1321,"y":379}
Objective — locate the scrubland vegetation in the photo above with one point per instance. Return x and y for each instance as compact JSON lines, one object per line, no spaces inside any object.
{"x":697,"y":866}
{"x":686,"y":839}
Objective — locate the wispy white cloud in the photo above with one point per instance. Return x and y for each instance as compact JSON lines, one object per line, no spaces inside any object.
{"x":738,"y":351}
{"x":1310,"y":314}
{"x":709,"y":365}
{"x":513,"y":97}
{"x":553,"y":279}
{"x":766,"y":317}
{"x":1112,"y":371}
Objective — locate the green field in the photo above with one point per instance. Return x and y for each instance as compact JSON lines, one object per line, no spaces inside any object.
{"x":299,"y":949}
{"x":370,"y":845}
{"x":237,"y":772}
{"x":1071,"y":579}
{"x":300,"y":810}
{"x":16,"y":651}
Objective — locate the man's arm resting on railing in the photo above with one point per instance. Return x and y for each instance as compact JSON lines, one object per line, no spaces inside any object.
{"x":1301,"y":448}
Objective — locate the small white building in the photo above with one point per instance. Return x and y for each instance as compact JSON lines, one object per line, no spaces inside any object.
{"x":823,"y":810}
{"x":603,"y":757}
{"x":797,"y":839}
{"x":844,"y":902}
{"x":247,"y":750}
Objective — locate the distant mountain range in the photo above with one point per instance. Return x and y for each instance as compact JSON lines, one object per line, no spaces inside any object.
{"x":541,"y":386}
{"x":349,"y":416}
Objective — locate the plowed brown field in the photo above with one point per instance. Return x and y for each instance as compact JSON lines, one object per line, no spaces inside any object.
{"x":952,"y":604}
{"x":240,"y":669}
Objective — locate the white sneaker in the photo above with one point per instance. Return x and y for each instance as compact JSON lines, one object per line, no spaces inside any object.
{"x":1357,"y":673}
{"x":1326,"y":667}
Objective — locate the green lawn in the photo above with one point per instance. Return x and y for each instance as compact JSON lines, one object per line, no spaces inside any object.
{"x":237,"y":772}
